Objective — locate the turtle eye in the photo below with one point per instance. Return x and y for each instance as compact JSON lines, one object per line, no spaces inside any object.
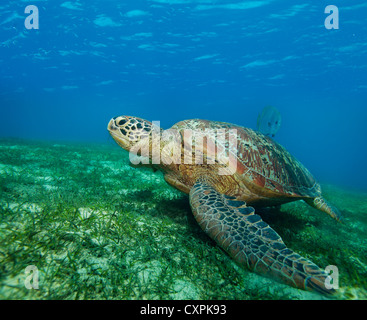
{"x":122,"y":122}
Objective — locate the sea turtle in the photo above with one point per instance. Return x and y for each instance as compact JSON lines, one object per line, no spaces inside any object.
{"x":260,"y":172}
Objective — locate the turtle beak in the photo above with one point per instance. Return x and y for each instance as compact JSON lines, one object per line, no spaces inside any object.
{"x":116,"y":134}
{"x":113,"y":129}
{"x":111,"y":126}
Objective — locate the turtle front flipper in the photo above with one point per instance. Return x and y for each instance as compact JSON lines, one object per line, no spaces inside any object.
{"x":250,"y":241}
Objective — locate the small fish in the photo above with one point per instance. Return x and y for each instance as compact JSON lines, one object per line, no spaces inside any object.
{"x":268,"y":121}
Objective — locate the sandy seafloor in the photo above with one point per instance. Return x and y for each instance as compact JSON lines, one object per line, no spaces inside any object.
{"x":96,"y":228}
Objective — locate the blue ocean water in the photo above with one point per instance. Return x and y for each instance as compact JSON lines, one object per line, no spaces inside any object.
{"x":170,"y":60}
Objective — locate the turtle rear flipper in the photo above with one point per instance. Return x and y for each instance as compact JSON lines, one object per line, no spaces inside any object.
{"x":321,"y":204}
{"x":250,"y":241}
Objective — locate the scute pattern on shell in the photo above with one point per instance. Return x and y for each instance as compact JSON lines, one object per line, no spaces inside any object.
{"x":266,"y":163}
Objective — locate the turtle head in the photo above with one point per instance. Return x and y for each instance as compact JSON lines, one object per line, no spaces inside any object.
{"x":127,"y":131}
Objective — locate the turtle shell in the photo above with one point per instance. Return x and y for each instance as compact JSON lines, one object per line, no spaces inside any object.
{"x":271,"y":166}
{"x":263,"y":161}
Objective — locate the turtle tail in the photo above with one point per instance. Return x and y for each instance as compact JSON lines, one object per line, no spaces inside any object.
{"x":321,"y":204}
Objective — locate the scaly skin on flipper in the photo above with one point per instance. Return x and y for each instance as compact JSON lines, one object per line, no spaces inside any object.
{"x":321,"y":204}
{"x":250,"y":241}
